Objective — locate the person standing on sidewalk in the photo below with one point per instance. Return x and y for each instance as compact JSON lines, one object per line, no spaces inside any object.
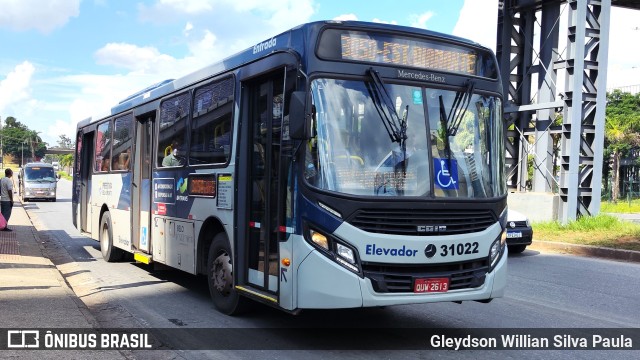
{"x":6,"y":196}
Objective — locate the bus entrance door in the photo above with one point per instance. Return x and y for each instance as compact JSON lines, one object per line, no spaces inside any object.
{"x":83,"y":175}
{"x":265,"y":204}
{"x":141,"y":185}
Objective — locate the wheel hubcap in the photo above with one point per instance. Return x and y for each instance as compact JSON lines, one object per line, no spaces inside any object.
{"x":222,"y":274}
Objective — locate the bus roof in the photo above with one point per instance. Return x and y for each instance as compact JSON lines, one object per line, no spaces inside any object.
{"x":290,"y":39}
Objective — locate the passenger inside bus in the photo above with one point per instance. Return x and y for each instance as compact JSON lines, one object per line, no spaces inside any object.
{"x":123,"y":162}
{"x":171,"y":158}
{"x":104,"y":166}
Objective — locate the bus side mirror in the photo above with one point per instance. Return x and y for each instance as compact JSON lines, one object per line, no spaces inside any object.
{"x":299,"y":117}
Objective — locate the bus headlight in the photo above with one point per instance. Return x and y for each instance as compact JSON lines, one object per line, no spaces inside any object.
{"x":334,"y":249}
{"x":345,"y":253}
{"x":319,"y":239}
{"x":494,"y":252}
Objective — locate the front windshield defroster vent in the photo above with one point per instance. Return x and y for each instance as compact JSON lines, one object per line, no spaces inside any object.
{"x":422,"y":222}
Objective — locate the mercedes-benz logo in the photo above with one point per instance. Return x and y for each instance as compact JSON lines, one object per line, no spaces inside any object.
{"x":430,"y":250}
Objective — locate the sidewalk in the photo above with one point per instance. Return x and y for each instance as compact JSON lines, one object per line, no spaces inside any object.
{"x":32,"y":291}
{"x":34,"y":295}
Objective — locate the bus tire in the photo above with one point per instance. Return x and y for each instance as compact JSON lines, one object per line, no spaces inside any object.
{"x":109,"y":252}
{"x":516,"y":249}
{"x":220,"y":278}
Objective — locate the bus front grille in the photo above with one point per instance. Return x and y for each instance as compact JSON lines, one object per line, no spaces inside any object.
{"x":399,"y":278}
{"x":422,"y":222}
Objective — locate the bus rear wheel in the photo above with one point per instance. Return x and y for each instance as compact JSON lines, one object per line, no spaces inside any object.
{"x":109,"y":252}
{"x":220,"y":278}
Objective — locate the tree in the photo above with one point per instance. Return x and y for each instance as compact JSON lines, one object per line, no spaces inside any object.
{"x":10,"y":121}
{"x":622,"y":131}
{"x":65,"y":142}
{"x":66,"y":161}
{"x":18,"y":140}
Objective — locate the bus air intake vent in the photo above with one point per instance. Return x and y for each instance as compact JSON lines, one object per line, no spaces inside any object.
{"x":398,"y":278}
{"x":422,"y":222}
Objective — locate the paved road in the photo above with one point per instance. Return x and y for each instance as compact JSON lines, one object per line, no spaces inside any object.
{"x":544,"y":291}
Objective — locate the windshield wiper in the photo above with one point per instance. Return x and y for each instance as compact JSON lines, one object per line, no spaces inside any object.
{"x":459,"y":108}
{"x":396,"y":127}
{"x":451,"y":122}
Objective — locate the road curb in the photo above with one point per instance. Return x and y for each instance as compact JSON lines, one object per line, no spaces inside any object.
{"x":586,"y":250}
{"x":47,"y":254}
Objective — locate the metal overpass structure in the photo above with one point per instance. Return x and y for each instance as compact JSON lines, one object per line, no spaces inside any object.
{"x":59,"y":151}
{"x":555,"y":97}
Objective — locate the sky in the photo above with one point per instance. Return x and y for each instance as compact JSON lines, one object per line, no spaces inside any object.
{"x":63,"y":61}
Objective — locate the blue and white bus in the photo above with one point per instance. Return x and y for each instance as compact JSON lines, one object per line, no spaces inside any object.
{"x":335,"y":165}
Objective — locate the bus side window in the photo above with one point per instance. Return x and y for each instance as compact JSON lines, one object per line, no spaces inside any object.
{"x":103,"y":147}
{"x":174,"y":113}
{"x":122,"y":141}
{"x":211,"y":125}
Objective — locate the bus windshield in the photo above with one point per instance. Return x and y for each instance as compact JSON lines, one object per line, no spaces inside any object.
{"x":380,"y":139}
{"x":39,"y":174}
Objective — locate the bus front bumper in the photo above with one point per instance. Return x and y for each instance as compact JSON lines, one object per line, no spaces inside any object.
{"x":324,"y":284}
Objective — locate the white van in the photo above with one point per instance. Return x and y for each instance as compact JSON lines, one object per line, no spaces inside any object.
{"x":37,"y":181}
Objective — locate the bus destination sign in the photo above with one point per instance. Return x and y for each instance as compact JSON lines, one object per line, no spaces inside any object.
{"x":203,"y":185}
{"x":407,"y":53}
{"x":394,"y":50}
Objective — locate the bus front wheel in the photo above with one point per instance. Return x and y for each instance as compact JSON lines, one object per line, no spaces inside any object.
{"x":220,"y":278}
{"x":109,"y":252}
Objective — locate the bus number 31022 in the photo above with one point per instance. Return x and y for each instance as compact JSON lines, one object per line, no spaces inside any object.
{"x":459,"y":249}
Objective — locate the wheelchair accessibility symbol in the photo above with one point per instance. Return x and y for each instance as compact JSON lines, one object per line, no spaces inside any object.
{"x":446,"y":173}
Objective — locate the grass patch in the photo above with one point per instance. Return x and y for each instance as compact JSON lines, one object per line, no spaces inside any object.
{"x":602,"y":230}
{"x":64,"y":175}
{"x":622,"y":206}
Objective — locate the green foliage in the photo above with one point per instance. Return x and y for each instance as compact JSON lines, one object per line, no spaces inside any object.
{"x":65,"y":142}
{"x":10,"y":121}
{"x":602,"y":230}
{"x":66,"y":160}
{"x":622,"y":133}
{"x":622,"y":127}
{"x":530,"y":166}
{"x":585,"y":223}
{"x":18,"y":139}
{"x":623,"y":207}
{"x":64,"y":175}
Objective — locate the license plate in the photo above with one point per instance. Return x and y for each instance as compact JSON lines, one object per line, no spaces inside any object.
{"x":431,"y":285}
{"x":515,"y":234}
